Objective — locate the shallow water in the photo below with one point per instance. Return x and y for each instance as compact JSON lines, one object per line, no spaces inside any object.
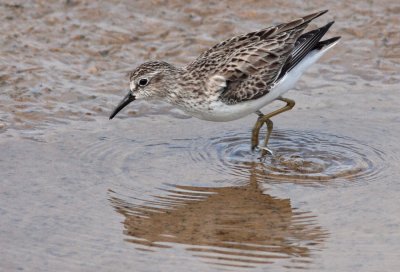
{"x":155,"y":190}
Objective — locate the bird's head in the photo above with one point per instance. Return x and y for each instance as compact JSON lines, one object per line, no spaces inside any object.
{"x":151,"y":80}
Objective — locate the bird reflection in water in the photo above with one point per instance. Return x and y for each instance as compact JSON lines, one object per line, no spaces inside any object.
{"x":235,"y":226}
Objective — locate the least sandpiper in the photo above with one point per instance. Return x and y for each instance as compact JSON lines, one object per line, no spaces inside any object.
{"x":236,"y":77}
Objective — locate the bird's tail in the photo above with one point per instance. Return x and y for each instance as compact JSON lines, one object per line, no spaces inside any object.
{"x":306,"y":43}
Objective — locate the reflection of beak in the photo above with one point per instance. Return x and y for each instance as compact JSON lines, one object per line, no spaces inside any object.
{"x":127,"y":99}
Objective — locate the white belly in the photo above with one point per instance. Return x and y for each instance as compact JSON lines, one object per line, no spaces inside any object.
{"x":221,"y":112}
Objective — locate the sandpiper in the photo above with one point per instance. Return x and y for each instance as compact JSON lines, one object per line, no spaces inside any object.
{"x":236,"y":77}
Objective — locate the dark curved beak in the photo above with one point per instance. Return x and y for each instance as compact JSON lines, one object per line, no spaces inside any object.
{"x":127,"y":99}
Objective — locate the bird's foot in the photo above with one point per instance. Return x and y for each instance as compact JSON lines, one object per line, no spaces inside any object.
{"x":264,"y":150}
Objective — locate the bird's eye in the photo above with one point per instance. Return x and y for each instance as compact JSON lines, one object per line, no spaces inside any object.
{"x":143,"y":82}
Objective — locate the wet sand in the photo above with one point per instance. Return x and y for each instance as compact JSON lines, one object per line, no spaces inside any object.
{"x":155,"y":190}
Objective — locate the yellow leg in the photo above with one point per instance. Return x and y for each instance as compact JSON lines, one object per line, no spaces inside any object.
{"x":265,"y":118}
{"x":265,"y":149}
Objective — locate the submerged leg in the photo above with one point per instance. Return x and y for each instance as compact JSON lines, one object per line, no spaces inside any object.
{"x":265,"y":149}
{"x":265,"y":118}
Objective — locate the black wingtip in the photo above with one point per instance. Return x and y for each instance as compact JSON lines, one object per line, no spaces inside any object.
{"x":325,"y":28}
{"x":332,"y":40}
{"x":326,"y":43}
{"x":328,"y":25}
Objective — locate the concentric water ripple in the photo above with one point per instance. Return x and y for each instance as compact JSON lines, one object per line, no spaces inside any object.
{"x":231,"y":224}
{"x":304,"y":157}
{"x":299,"y":156}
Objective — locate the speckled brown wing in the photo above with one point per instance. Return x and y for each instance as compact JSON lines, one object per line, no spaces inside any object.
{"x":244,"y":67}
{"x":251,"y":72}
